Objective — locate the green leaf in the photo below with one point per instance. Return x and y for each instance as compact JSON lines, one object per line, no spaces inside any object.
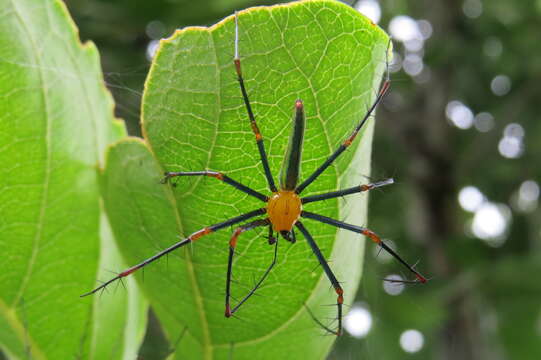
{"x":320,"y":51}
{"x":56,"y":119}
{"x":144,"y":220}
{"x":119,"y":320}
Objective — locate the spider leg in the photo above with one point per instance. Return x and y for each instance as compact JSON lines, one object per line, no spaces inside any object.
{"x":351,"y":190}
{"x":232,"y":245}
{"x":330,"y":276}
{"x":272,"y":239}
{"x":366,"y":232}
{"x":383,"y":90}
{"x":253,"y":124}
{"x":293,"y":236}
{"x":219,"y":176}
{"x":193,"y":237}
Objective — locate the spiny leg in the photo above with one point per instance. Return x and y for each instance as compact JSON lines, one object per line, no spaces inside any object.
{"x":351,"y":190}
{"x":253,"y":124}
{"x":220,"y":176}
{"x":271,"y":237}
{"x":383,"y":90}
{"x":193,"y":237}
{"x":330,"y":276}
{"x":366,"y":232}
{"x":232,"y":246}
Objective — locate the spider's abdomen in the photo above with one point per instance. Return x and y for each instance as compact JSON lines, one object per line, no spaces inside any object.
{"x":284,"y":209}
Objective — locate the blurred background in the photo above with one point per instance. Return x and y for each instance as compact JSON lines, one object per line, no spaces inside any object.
{"x":458,"y":133}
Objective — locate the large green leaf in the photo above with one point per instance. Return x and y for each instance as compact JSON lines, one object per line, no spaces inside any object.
{"x":321,"y":51}
{"x":56,"y":119}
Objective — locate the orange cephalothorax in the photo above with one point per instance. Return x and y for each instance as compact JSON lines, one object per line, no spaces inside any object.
{"x":284,"y":208}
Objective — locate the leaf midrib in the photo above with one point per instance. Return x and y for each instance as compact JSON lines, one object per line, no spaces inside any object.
{"x":207,"y":341}
{"x":45,"y":194}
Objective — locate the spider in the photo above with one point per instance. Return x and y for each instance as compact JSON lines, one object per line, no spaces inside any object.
{"x":283,"y":208}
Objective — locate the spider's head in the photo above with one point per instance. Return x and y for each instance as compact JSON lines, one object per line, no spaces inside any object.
{"x":288,"y":236}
